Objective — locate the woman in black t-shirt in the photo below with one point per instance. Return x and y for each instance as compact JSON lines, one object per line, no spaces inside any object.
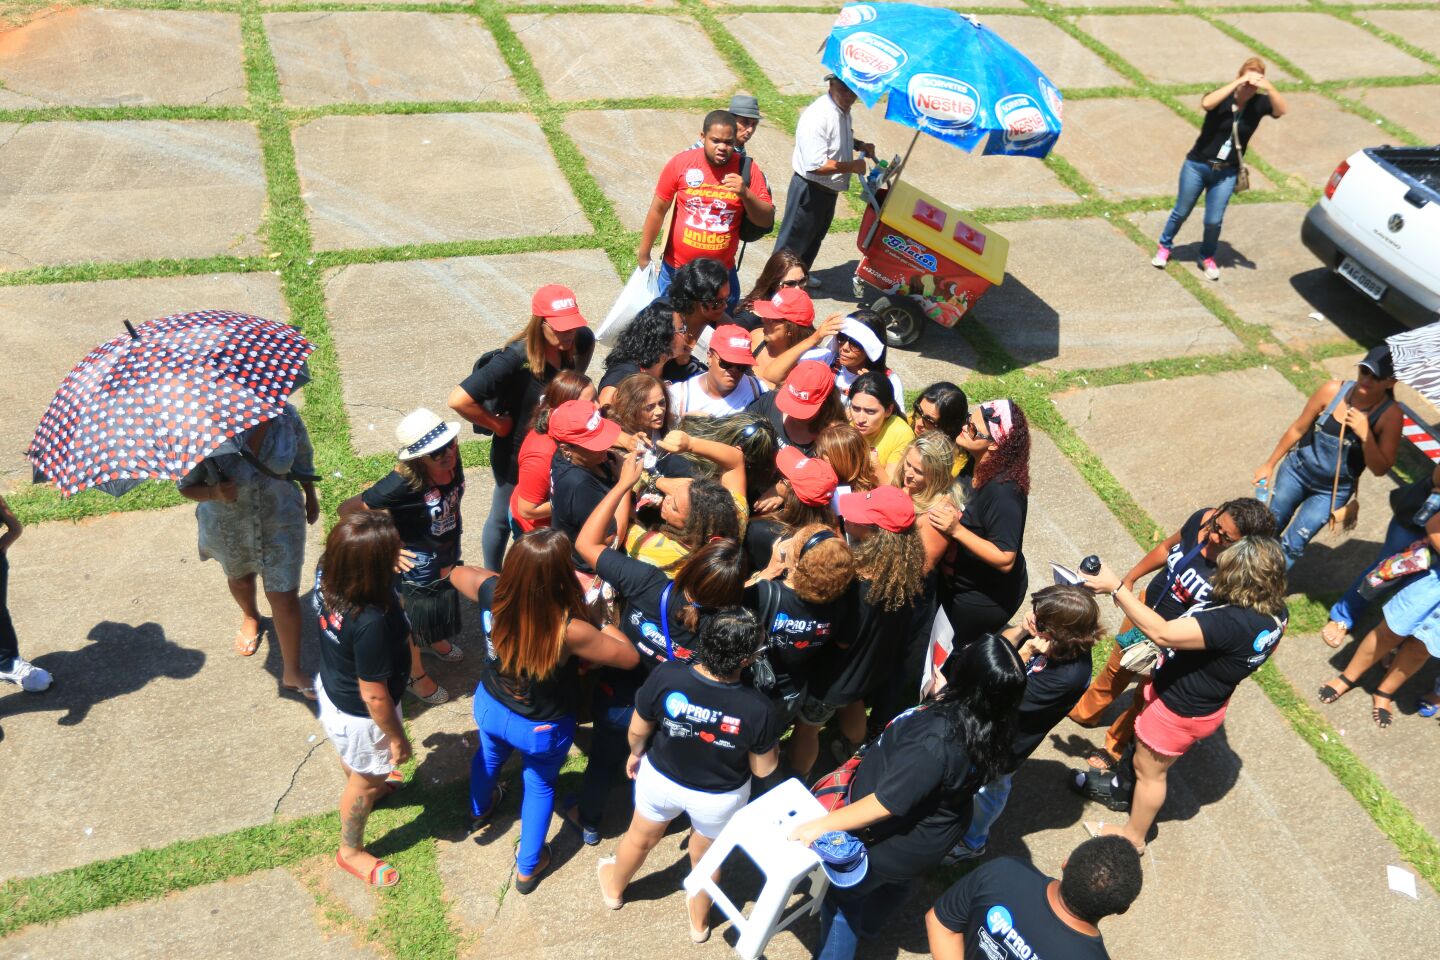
{"x":910,"y":798}
{"x":644,"y":346}
{"x":983,"y":577}
{"x":364,"y":663}
{"x":1205,"y":655}
{"x":500,"y":397}
{"x":536,"y":633}
{"x":697,"y":736}
{"x":1213,"y":163}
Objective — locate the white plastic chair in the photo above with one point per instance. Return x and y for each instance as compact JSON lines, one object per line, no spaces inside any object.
{"x":761,"y":830}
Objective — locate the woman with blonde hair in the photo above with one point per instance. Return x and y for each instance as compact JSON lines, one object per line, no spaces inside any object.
{"x":1203,"y":656}
{"x":845,"y":449}
{"x":927,"y":474}
{"x":1213,"y":164}
{"x":536,"y":634}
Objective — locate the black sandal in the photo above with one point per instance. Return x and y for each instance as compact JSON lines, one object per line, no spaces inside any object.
{"x":1329,"y":694}
{"x":1101,"y":760}
{"x":1380,"y":715}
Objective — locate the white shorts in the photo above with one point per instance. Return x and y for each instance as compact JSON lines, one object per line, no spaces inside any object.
{"x":661,"y":799}
{"x":362,"y":745}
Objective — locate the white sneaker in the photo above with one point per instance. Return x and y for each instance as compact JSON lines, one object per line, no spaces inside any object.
{"x":32,"y":679}
{"x":1211,"y":268}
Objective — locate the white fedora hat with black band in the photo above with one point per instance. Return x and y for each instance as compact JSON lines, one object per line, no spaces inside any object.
{"x":423,"y":432}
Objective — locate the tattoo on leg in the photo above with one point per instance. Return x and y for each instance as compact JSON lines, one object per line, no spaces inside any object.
{"x":352,"y":823}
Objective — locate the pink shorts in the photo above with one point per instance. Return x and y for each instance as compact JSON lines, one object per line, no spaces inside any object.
{"x":1165,"y":731}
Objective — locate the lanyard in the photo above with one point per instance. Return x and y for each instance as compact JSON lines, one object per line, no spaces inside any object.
{"x":665,"y":620}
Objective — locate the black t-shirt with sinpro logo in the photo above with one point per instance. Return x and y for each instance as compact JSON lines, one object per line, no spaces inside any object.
{"x":799,"y":632}
{"x":428,"y":520}
{"x":1004,"y":913}
{"x":1217,"y":131}
{"x":641,"y":586}
{"x":1051,"y":691}
{"x":707,"y":729}
{"x":1238,"y":641}
{"x":1190,"y":583}
{"x":368,"y":644}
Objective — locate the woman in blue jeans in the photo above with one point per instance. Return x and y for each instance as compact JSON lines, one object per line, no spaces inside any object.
{"x":533,"y":615}
{"x":1364,"y":411}
{"x":1213,"y":163}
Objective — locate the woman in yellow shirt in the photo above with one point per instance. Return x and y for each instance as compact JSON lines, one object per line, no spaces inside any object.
{"x":872,"y":410}
{"x":692,"y":511}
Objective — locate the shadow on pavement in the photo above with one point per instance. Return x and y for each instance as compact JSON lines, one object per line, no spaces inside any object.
{"x":1037,"y":338}
{"x":120,"y":659}
{"x":1353,"y":313}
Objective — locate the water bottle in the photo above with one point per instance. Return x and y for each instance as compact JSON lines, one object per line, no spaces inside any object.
{"x":1262,"y":490}
{"x":1090,"y":565}
{"x":1428,"y":509}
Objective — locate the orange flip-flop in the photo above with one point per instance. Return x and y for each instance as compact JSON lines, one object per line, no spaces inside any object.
{"x":381,"y":875}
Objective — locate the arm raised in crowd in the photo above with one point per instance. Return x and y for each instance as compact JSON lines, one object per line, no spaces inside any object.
{"x":730,"y":460}
{"x":1181,"y":634}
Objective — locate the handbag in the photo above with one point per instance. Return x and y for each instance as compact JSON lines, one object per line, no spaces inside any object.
{"x":1348,"y":513}
{"x":1413,"y":559}
{"x":1140,"y":657}
{"x":1242,"y":176}
{"x":833,"y":789}
{"x":762,"y":675}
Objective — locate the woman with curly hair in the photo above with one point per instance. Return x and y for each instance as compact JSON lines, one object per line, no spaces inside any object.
{"x":640,"y":406}
{"x":842,"y":446}
{"x":1204,"y":655}
{"x":644,"y":346}
{"x":530,"y":501}
{"x":911,"y":795}
{"x":984,"y":578}
{"x":1054,"y":643}
{"x":698,"y":297}
{"x":890,"y":578}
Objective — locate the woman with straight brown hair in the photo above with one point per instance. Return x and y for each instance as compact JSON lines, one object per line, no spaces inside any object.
{"x":533,"y":616}
{"x":845,"y":449}
{"x":364,"y":664}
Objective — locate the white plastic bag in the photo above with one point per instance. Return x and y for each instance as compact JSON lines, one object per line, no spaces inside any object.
{"x":640,"y":291}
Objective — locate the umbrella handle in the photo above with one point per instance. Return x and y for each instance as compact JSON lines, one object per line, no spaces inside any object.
{"x":131,"y":328}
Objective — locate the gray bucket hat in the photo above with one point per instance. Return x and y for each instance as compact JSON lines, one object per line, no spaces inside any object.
{"x":744,"y":105}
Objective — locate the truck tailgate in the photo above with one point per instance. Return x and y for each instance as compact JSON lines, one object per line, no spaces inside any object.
{"x":1391,"y":215}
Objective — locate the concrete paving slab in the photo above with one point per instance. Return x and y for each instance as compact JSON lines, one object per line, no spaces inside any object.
{"x":369,"y":57}
{"x":49,"y":328}
{"x":149,"y":700}
{"x":389,"y":180}
{"x":457,"y":308}
{"x":128,"y":190}
{"x":1420,"y":27}
{"x":1417,"y":109}
{"x":1250,"y":409}
{"x":110,"y":58}
{"x":652,"y":137}
{"x":1313,"y":137}
{"x":1325,"y":47}
{"x":1172,"y":49}
{"x":963,"y":180}
{"x":264,"y":914}
{"x":1269,"y":277}
{"x":1061,"y":57}
{"x":785,"y":45}
{"x":588,"y":56}
{"x":1094,"y":127}
{"x":1051,"y":311}
{"x":1251,"y":818}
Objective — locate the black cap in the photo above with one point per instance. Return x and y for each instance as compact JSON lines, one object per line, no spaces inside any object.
{"x":1378,"y":362}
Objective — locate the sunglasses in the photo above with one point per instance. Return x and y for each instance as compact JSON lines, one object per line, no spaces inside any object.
{"x":974,"y":431}
{"x":440,"y":454}
{"x":749,"y":432}
{"x":731,"y":365}
{"x":1214,"y":527}
{"x":930,"y":422}
{"x":790,"y":283}
{"x":715,"y":304}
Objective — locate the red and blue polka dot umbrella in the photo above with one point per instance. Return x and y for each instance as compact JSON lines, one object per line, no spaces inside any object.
{"x":154,"y":402}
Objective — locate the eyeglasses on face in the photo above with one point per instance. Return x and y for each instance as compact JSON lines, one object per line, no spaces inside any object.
{"x":790,"y":283}
{"x":440,"y":454}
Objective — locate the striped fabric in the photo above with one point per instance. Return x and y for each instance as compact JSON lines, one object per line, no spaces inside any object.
{"x":1416,"y":354}
{"x":1417,"y":434}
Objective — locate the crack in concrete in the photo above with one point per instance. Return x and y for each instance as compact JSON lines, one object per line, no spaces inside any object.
{"x":295,"y":774}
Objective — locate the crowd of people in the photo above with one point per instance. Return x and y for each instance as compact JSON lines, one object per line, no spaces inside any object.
{"x":728,"y":546}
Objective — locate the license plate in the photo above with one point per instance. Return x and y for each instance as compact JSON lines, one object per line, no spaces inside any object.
{"x":1362,"y":279}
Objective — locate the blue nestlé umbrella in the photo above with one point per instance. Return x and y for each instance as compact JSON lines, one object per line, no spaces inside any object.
{"x":947,"y":75}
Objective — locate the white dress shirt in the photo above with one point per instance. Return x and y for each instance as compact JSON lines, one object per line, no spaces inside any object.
{"x":823,"y":133}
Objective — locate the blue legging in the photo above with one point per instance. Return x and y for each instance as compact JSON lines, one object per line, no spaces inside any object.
{"x":542,"y":747}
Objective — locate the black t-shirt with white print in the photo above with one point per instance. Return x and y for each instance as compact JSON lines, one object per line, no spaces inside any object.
{"x":1004,"y":913}
{"x":367,"y":644}
{"x":428,"y":520}
{"x":641,"y":586}
{"x":1051,"y":691}
{"x":706,"y":729}
{"x":798,"y":634}
{"x":1238,"y":641}
{"x":1185,"y":581}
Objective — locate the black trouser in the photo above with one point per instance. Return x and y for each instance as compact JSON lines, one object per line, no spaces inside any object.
{"x":973,"y":614}
{"x":9,"y":643}
{"x":809,"y":208}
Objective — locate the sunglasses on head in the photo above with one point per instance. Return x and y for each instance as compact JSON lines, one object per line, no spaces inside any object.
{"x":748,"y":432}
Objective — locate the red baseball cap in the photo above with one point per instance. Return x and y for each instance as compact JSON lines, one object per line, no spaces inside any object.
{"x":811,"y":478}
{"x":888,"y":508}
{"x":556,"y":304}
{"x":789,"y":303}
{"x":805,"y":389}
{"x":732,"y":343}
{"x":579,"y":422}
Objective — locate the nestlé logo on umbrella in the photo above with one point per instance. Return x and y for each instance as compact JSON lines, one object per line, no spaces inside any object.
{"x":943,"y":103}
{"x":869,"y":57}
{"x":1020,"y":116}
{"x":855,"y":14}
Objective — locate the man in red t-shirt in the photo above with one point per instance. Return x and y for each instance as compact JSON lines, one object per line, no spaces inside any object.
{"x":705,"y":187}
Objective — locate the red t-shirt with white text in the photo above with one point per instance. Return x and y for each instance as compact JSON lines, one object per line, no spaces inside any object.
{"x":706,"y":222}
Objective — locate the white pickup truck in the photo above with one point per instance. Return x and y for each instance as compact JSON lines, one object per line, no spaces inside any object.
{"x":1378,"y":227}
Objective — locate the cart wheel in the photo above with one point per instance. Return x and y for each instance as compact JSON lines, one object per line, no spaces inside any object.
{"x":904,"y":321}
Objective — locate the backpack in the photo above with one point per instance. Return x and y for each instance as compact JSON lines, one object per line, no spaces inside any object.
{"x":749,"y":232}
{"x":491,"y":404}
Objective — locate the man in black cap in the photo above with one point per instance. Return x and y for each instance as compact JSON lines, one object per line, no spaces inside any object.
{"x":823,"y":161}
